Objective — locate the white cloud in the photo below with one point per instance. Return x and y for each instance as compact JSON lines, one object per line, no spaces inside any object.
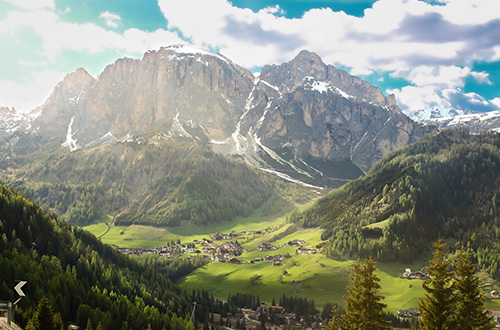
{"x":57,"y":36}
{"x":27,"y":96}
{"x":432,"y":46}
{"x":496,"y":101}
{"x":112,"y":20}
{"x":429,"y":45}
{"x":438,"y":76}
{"x":481,"y":77}
{"x":32,"y":4}
{"x":469,"y":12}
{"x":413,"y":98}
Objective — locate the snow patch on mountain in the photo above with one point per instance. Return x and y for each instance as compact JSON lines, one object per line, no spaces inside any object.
{"x":70,"y":142}
{"x":324,"y":87}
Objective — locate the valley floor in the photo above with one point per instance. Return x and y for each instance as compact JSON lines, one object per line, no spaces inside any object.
{"x":297,"y":273}
{"x":267,"y":266}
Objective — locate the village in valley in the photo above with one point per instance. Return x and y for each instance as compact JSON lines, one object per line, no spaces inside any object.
{"x":223,"y":248}
{"x":248,"y":247}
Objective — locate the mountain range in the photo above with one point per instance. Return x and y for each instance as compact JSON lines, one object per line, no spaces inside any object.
{"x":303,"y":120}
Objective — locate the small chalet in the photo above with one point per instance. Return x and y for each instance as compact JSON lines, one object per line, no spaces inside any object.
{"x":276,"y":309}
{"x":235,"y":261}
{"x":295,"y":242}
{"x":267,"y":247}
{"x":413,"y":312}
{"x":418,"y":274}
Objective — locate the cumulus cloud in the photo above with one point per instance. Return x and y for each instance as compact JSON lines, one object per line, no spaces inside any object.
{"x":28,"y":95}
{"x":57,"y":36}
{"x":432,"y":46}
{"x":496,"y":101}
{"x":32,"y":4}
{"x":112,"y":20}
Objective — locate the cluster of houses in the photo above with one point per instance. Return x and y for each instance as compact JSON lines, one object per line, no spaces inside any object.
{"x":276,"y":259}
{"x":168,"y":251}
{"x":231,"y":235}
{"x":227,"y":251}
{"x":266,"y":246}
{"x":407,"y":313}
{"x":223,"y":252}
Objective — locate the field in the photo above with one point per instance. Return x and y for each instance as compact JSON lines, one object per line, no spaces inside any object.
{"x":312,"y":276}
{"x":309,"y":276}
{"x":148,"y":237}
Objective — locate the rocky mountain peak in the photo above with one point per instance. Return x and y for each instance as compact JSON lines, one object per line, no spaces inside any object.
{"x":310,"y":120}
{"x":305,"y":64}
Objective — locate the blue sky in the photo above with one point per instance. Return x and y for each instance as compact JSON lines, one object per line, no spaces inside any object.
{"x":430,"y":53}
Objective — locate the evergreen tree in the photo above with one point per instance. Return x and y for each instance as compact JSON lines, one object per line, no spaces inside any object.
{"x":335,"y":322}
{"x":437,"y":307}
{"x":89,"y":325}
{"x":470,"y":312}
{"x":43,"y":318}
{"x":364,"y":311}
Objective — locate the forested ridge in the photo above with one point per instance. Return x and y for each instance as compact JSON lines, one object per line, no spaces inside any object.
{"x":445,"y":185}
{"x":149,"y":184}
{"x":82,"y":278}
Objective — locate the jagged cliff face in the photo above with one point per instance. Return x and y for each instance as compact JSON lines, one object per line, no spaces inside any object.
{"x":137,"y":96}
{"x":303,"y":119}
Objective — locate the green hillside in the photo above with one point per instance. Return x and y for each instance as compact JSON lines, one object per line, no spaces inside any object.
{"x":446,"y":185}
{"x":82,"y":278}
{"x":158,"y":183}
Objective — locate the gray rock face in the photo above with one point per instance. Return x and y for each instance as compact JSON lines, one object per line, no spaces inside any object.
{"x":303,"y":119}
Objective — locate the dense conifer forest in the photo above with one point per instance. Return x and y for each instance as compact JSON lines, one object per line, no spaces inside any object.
{"x":82,"y":278}
{"x":445,"y":185}
{"x":147,"y":184}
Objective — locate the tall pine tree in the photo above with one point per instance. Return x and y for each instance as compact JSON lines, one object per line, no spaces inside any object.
{"x":43,"y":317}
{"x":364,"y":311}
{"x":470,"y":314}
{"x":437,"y":307}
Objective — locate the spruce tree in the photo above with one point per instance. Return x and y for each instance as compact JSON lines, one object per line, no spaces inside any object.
{"x":89,"y":325}
{"x":364,"y":311}
{"x":437,"y":307}
{"x":43,"y":317}
{"x":470,"y":312}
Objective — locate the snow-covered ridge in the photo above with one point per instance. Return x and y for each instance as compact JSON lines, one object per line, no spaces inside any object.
{"x":186,"y":49}
{"x":476,"y":122}
{"x":430,"y":114}
{"x":469,"y":117}
{"x":12,"y":120}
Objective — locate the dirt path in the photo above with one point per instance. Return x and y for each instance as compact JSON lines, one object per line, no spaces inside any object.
{"x":109,"y":227}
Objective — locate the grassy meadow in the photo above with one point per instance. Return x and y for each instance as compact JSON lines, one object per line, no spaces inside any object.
{"x":311,"y":276}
